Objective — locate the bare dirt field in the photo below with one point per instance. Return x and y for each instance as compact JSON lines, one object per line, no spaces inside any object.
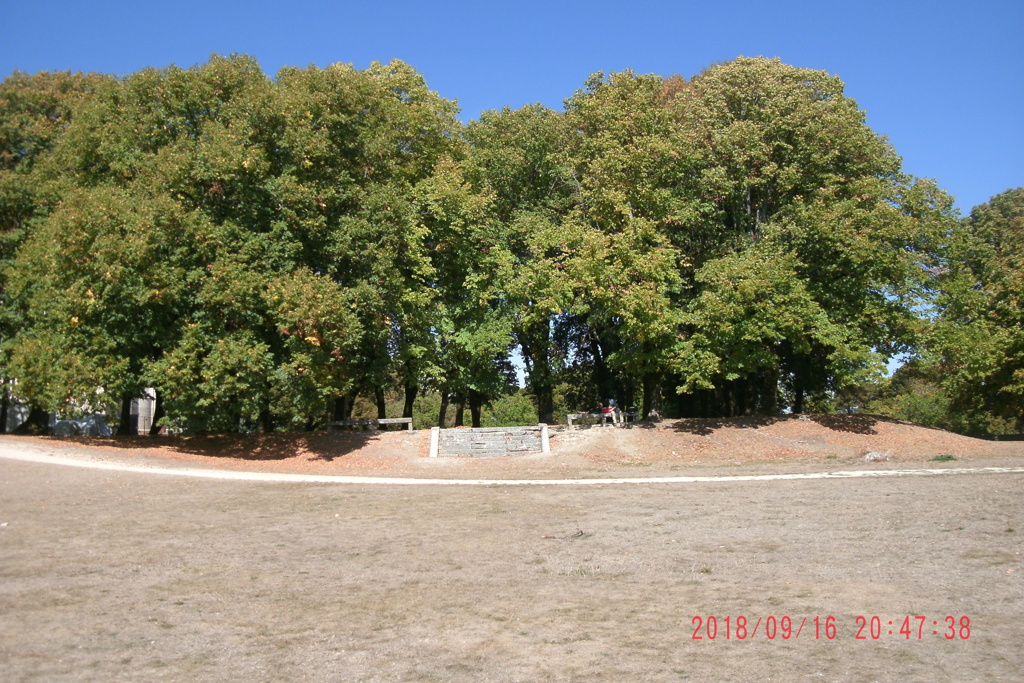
{"x":117,"y":575}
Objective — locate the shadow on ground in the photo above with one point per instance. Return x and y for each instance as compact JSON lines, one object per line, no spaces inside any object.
{"x":705,"y":426}
{"x":320,"y":445}
{"x":855,"y":424}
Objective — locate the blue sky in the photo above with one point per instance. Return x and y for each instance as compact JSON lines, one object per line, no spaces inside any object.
{"x":943,"y":80}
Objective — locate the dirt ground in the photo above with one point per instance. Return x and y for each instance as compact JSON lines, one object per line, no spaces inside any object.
{"x":109,"y":575}
{"x":806,"y":443}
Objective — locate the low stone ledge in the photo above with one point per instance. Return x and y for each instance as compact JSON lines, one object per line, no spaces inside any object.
{"x":488,"y":441}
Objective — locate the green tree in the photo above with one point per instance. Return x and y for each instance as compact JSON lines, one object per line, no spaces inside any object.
{"x":34,"y":111}
{"x":100,"y":288}
{"x":790,"y":175}
{"x":516,"y":158}
{"x":171,"y":183}
{"x":471,"y":328}
{"x":363,"y":142}
{"x":267,"y":193}
{"x":916,"y":393}
{"x":978,"y":340}
{"x":631,"y":196}
{"x":261,"y":251}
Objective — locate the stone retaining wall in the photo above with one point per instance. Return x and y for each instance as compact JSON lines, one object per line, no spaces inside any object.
{"x":488,"y":441}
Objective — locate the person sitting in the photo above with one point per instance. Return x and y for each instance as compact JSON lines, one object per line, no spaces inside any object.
{"x":611,"y":411}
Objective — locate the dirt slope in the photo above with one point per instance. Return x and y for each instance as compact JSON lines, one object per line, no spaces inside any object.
{"x":792,"y":442}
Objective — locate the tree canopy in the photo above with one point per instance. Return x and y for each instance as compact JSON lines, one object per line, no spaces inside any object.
{"x":260,"y":251}
{"x":977,"y":342}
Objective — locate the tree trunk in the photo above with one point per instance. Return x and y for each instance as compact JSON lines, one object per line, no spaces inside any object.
{"x":124,"y":426}
{"x":602,"y":377}
{"x":410,"y":398}
{"x":798,"y":392}
{"x":653,"y":405}
{"x":545,"y":404}
{"x":800,"y":366}
{"x":443,"y":417}
{"x":539,"y":377}
{"x":378,"y":396}
{"x":460,"y":411}
{"x":5,"y":403}
{"x":476,"y":402}
{"x":770,"y":393}
{"x":343,"y":407}
{"x":267,"y":421}
{"x":158,"y":414}
{"x":742,"y":391}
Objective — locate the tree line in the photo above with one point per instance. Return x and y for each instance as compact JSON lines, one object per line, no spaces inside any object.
{"x":261,"y":251}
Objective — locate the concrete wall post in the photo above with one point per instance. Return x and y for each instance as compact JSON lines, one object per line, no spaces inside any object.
{"x":435,"y":438}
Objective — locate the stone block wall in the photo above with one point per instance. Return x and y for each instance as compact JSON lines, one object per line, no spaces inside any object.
{"x":488,"y":441}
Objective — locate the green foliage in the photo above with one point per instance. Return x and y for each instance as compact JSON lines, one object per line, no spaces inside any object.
{"x":260,"y":251}
{"x":918,"y":400}
{"x":34,"y":112}
{"x":977,"y":339}
{"x":102,"y":287}
{"x":811,"y":249}
{"x":471,"y":328}
{"x":976,"y":343}
{"x":915,"y":393}
{"x":216,"y":385}
{"x":252,"y":249}
{"x":517,"y":161}
{"x":514,"y":410}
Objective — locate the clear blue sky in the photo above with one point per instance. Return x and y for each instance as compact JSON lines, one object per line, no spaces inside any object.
{"x":944,"y":80}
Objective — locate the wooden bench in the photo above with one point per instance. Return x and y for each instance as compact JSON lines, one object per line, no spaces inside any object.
{"x":370,"y":424}
{"x":599,"y":418}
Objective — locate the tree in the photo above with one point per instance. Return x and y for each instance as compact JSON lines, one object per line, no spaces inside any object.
{"x":631,"y":195}
{"x":915,"y":393}
{"x":977,"y":340}
{"x":262,"y":194}
{"x":261,"y":251}
{"x":173,"y":186}
{"x":363,"y":142}
{"x":471,"y":328}
{"x":515,"y":159}
{"x":789,"y":174}
{"x":101,"y":291}
{"x":34,"y":111}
